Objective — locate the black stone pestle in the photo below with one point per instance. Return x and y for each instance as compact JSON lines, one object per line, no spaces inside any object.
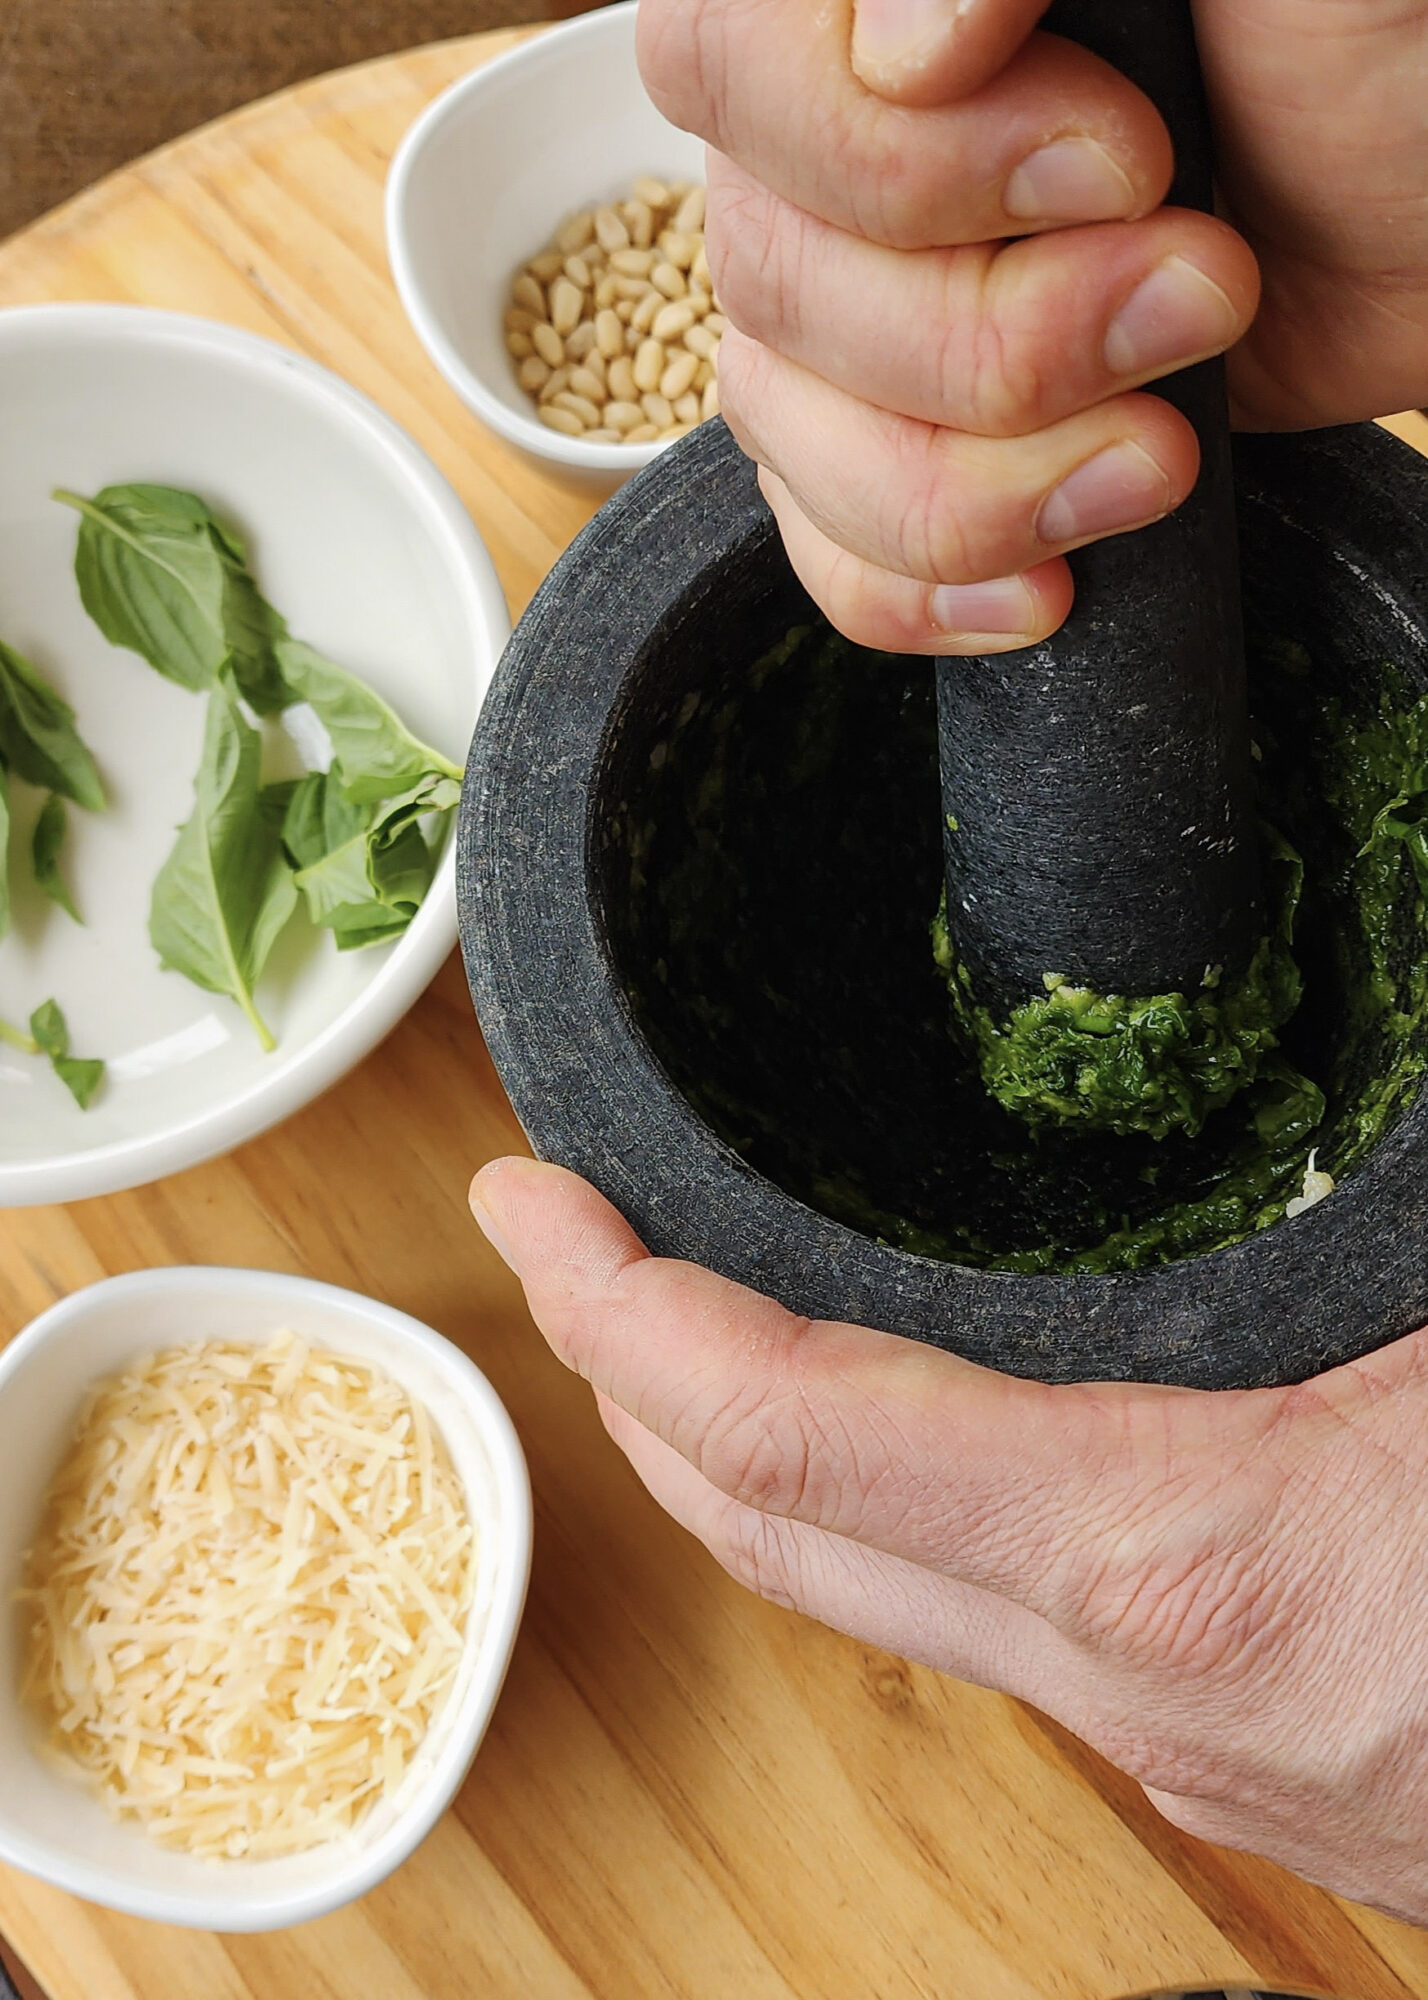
{"x":1097,"y":794}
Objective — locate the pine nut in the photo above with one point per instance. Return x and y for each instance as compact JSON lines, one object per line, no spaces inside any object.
{"x":699,"y":270}
{"x":704,"y":375}
{"x":699,"y":340}
{"x":686,"y":408}
{"x":709,"y":406}
{"x":679,"y":372}
{"x":679,"y":249}
{"x":672,"y":322}
{"x":689,"y":216}
{"x":716,"y":323}
{"x":534,"y":374}
{"x":610,"y":231}
{"x":581,"y":340}
{"x":674,"y":431}
{"x":635,"y":289}
{"x":565,"y":303}
{"x":518,"y":320}
{"x":609,"y":334}
{"x":548,"y":343}
{"x":605,"y":294}
{"x":653,"y":193}
{"x":621,"y":377}
{"x":633,"y":337}
{"x":519,"y":344}
{"x":558,"y":380}
{"x":649,"y":364}
{"x":556,"y":419}
{"x":578,"y":406}
{"x":639,"y":220}
{"x":657,"y":409}
{"x":645,"y":310}
{"x":594,"y":364}
{"x":642,"y":434}
{"x":573,"y":236}
{"x":583,"y":383}
{"x":669,"y":279}
{"x":624,"y":416}
{"x":632,"y":263}
{"x":603,"y":435}
{"x":577,"y":273}
{"x":526,"y":292}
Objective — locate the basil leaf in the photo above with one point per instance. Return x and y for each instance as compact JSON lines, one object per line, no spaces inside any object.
{"x":225,"y":891}
{"x":376,"y":754}
{"x":4,"y":852}
{"x":362,"y":876}
{"x":354,"y":926}
{"x":161,"y":576}
{"x":45,"y":849}
{"x":320,"y":820}
{"x":400,"y":866}
{"x":81,"y":1075}
{"x":38,"y":739}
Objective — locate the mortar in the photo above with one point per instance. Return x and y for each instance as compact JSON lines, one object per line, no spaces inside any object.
{"x":694,"y":906}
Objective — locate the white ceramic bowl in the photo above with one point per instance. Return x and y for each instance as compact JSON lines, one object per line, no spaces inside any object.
{"x":483,"y":178}
{"x":358,"y":540}
{"x":49,"y":1825}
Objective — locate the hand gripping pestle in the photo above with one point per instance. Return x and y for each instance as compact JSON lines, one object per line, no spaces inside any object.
{"x":1097,"y":797}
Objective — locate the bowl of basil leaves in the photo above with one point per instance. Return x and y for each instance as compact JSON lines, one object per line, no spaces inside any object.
{"x":245,"y":631}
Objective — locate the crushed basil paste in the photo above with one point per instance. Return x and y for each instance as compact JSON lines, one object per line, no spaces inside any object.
{"x":1157,"y":1064}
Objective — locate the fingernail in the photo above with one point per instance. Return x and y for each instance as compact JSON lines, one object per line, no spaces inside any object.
{"x":1002,"y":604}
{"x":1176,"y":314}
{"x":1071,"y":180}
{"x":888,"y":33}
{"x":1121,"y":487}
{"x":479,"y":1196}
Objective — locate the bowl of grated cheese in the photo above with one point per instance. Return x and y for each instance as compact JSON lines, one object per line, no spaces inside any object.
{"x":268,"y":1545}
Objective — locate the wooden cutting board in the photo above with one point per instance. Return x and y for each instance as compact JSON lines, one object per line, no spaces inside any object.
{"x":685,"y":1795}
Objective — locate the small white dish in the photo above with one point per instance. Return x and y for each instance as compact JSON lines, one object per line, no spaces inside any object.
{"x":361,"y":544}
{"x":480,"y":183}
{"x":49,"y":1825}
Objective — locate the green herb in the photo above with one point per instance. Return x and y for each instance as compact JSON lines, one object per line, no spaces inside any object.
{"x":225,"y":891}
{"x":80,"y":1075}
{"x":45,"y":848}
{"x":159,"y":574}
{"x":362,"y":874}
{"x":38,"y":739}
{"x":376,"y":755}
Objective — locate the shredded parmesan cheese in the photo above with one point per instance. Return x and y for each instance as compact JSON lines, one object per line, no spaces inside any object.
{"x":246,"y":1601}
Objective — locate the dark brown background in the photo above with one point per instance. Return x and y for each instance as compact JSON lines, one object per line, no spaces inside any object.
{"x":87,"y":84}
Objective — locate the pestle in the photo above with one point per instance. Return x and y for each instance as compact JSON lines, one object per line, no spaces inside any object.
{"x":1098,"y":806}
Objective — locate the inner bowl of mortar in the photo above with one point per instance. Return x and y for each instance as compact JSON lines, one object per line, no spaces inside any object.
{"x":698,"y":862}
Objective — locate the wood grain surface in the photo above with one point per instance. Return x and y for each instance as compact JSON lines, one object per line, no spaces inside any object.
{"x":686,"y":1794}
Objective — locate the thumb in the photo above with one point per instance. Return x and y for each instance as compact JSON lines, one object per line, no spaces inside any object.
{"x":1006,"y":1484}
{"x":928,"y":52}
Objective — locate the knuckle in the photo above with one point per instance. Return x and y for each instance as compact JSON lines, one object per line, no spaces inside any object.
{"x":930,"y":534}
{"x":685,"y":59}
{"x":753,"y":1549}
{"x":754,"y":1453}
{"x":758,"y":255}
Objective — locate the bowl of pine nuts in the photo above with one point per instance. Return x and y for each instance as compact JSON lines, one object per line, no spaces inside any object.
{"x":546,"y":232}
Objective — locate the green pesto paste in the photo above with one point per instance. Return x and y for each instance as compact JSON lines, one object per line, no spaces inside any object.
{"x":1158,"y":1064}
{"x":774,"y":859}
